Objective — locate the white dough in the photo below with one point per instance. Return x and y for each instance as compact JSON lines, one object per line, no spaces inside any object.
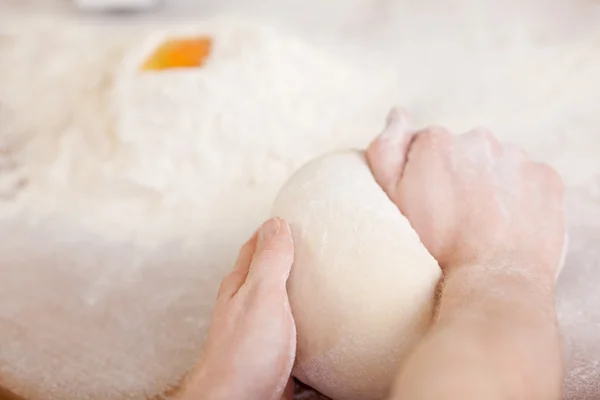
{"x":362,"y":287}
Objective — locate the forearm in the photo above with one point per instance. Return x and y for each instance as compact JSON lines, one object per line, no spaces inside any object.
{"x":495,"y":337}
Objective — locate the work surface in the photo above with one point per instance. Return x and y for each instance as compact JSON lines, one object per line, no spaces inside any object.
{"x":121,"y":221}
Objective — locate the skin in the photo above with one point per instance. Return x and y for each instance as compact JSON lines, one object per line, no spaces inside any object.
{"x":494,"y":221}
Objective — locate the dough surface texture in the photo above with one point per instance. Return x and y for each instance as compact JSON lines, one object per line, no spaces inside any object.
{"x":362,"y":287}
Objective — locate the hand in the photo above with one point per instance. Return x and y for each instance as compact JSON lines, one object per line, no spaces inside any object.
{"x":471,"y":199}
{"x":494,"y":221}
{"x":251,"y":343}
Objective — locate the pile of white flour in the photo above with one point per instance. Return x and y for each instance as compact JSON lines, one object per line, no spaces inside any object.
{"x":125,"y":196}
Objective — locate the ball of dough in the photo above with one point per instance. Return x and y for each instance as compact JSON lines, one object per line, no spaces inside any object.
{"x":362,"y":287}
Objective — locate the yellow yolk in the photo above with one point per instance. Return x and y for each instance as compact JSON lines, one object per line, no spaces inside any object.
{"x":179,"y":53}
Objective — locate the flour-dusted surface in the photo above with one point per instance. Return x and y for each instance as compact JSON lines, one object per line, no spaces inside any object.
{"x":526,"y":69}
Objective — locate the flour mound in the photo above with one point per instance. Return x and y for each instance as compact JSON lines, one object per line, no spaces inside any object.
{"x":141,"y":188}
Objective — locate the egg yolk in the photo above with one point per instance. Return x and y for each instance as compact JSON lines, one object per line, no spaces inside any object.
{"x":179,"y":53}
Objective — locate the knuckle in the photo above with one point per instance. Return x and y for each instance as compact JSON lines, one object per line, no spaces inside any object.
{"x":482,"y":134}
{"x":432,"y":136}
{"x":556,"y":180}
{"x":439,"y":132}
{"x":549,"y":176}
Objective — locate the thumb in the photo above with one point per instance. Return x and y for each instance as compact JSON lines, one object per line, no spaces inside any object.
{"x":388,"y":152}
{"x":272,"y":261}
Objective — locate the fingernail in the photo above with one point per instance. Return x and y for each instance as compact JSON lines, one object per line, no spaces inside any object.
{"x":267,"y":231}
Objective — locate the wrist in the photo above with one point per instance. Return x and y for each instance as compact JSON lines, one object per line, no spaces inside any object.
{"x":496,"y":288}
{"x":510,"y":315}
{"x":506,"y":269}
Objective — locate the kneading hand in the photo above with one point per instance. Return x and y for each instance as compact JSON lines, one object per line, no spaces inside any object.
{"x":251,"y":342}
{"x":471,"y":199}
{"x":494,"y":221}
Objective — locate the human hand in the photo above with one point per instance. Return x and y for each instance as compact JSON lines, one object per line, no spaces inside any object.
{"x":472,"y":200}
{"x":251,"y":343}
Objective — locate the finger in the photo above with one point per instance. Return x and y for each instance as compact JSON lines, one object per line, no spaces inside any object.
{"x":547,"y":176}
{"x":272,"y":261}
{"x":428,"y":144}
{"x":236,"y":278}
{"x":387,"y":153}
{"x":428,"y":165}
{"x":432,"y":137}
